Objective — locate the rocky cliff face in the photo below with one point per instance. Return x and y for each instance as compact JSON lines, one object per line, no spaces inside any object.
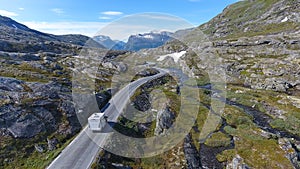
{"x":107,"y":42}
{"x":147,"y":40}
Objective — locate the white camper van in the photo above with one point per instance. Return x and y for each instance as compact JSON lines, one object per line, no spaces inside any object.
{"x":97,"y":121}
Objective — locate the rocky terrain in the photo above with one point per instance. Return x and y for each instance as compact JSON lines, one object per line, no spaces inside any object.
{"x":257,"y":42}
{"x":38,"y":116}
{"x":254,"y":44}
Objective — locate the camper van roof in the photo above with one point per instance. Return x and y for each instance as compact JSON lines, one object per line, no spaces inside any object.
{"x":96,"y":116}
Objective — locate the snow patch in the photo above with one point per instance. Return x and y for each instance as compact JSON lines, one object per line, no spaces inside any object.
{"x":285,"y":19}
{"x":14,"y":26}
{"x":148,"y":36}
{"x":175,"y":56}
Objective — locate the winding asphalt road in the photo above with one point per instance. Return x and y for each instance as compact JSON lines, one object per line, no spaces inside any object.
{"x":83,"y":150}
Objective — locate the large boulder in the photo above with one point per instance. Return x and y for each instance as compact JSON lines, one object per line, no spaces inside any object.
{"x":290,"y":152}
{"x":52,"y":143}
{"x":119,"y":66}
{"x":9,"y":114}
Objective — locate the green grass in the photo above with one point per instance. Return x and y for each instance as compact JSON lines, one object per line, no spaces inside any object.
{"x":201,"y":81}
{"x":226,"y":155}
{"x":195,"y":132}
{"x":218,"y":139}
{"x":257,"y":151}
{"x":251,"y":97}
{"x":28,"y":73}
{"x":24,"y":156}
{"x":262,"y":154}
{"x":290,"y":124}
{"x":246,"y":13}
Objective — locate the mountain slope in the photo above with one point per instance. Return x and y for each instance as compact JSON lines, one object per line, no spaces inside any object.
{"x":147,"y":40}
{"x":107,"y":42}
{"x":256,"y":45}
{"x":259,"y":40}
{"x":255,"y":17}
{"x":16,"y":37}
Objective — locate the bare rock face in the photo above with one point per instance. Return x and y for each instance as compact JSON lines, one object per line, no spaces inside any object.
{"x":165,"y":119}
{"x":11,"y":84}
{"x":46,"y":116}
{"x":273,"y":111}
{"x":26,"y":126}
{"x":142,"y":102}
{"x":237,"y":163}
{"x":290,"y":152}
{"x":147,"y":40}
{"x":119,"y":66}
{"x":30,"y":109}
{"x":191,"y":154}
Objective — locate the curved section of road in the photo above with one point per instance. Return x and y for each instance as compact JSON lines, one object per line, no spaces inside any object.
{"x":82,"y":151}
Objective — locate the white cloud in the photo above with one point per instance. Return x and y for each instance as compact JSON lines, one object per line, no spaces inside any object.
{"x":21,"y":9}
{"x":58,"y":11}
{"x":62,"y":28}
{"x":105,"y":17}
{"x":158,"y":16}
{"x":119,"y":30}
{"x":8,"y":13}
{"x":113,"y":13}
{"x":142,"y":23}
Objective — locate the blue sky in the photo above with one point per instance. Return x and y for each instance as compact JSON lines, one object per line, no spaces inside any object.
{"x":90,"y":16}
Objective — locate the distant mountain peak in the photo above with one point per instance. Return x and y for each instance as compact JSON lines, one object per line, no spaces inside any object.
{"x":6,"y":21}
{"x":147,"y":40}
{"x":136,"y":42}
{"x":107,"y":42}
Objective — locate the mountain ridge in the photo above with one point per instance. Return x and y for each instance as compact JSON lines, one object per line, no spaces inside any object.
{"x":254,"y":17}
{"x":14,"y":35}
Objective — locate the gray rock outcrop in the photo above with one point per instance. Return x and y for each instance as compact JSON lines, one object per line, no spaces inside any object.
{"x":164,"y":120}
{"x":191,"y":154}
{"x":237,"y":163}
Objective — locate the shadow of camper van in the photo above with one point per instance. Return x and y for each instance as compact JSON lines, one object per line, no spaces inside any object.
{"x":104,"y":108}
